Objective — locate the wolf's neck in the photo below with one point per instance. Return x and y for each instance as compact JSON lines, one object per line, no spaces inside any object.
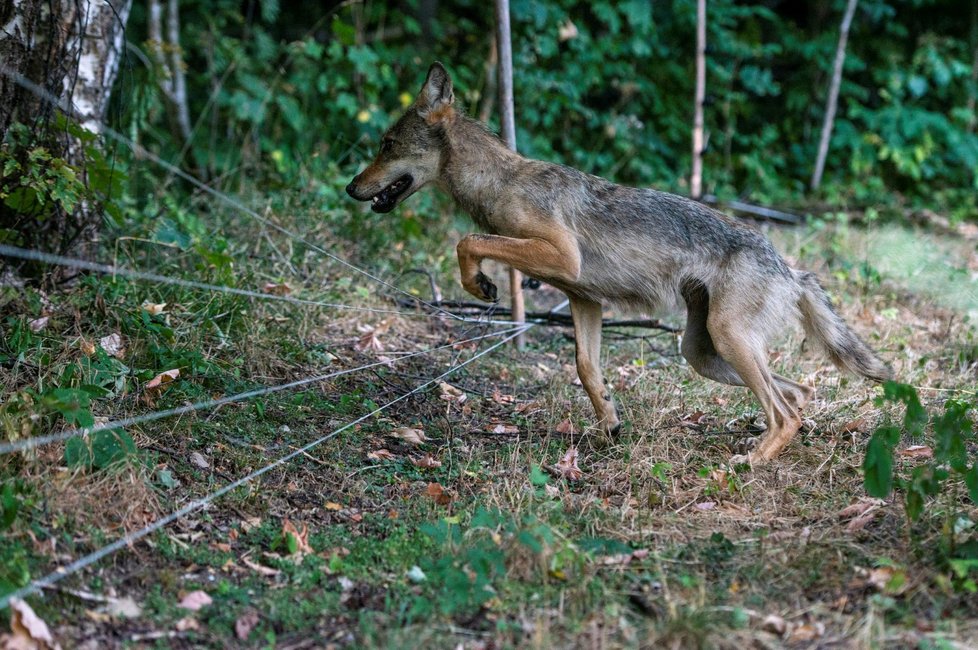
{"x":476,"y":168}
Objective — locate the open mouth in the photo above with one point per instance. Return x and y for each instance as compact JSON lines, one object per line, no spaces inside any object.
{"x":387,"y":198}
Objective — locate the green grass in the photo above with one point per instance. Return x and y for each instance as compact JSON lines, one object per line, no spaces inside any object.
{"x":656,"y":546}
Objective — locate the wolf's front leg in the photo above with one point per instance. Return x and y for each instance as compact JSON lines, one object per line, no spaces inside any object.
{"x":557,"y":260}
{"x":587,"y":332}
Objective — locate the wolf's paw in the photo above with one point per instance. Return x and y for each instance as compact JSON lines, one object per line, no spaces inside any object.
{"x":486,"y":288}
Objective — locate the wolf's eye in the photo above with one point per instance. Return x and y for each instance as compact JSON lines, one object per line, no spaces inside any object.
{"x":386,"y":145}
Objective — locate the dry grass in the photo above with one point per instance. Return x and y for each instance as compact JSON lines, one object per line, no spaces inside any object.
{"x":725,"y":550}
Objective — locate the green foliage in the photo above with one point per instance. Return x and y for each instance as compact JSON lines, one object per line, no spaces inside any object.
{"x":100,"y":449}
{"x":603,"y":86}
{"x":950,"y":434}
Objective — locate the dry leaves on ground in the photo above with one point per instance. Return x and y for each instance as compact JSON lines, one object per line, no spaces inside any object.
{"x":567,"y":466}
{"x":450,"y":393}
{"x":113,"y":345}
{"x":245,"y":623}
{"x":425,"y":462}
{"x":277,"y":289}
{"x":157,"y":382}
{"x":296,"y":538}
{"x":27,"y":630}
{"x":439,"y":494}
{"x":381,"y":454}
{"x":195,"y":601}
{"x":409,"y":435}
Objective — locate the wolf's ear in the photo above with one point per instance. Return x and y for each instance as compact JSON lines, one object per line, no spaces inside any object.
{"x":437,"y":96}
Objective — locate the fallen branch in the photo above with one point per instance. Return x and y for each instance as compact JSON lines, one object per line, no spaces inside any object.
{"x":469,"y":308}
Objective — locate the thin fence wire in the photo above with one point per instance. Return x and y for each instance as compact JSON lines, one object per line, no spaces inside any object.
{"x":127,"y":540}
{"x":141,"y":152}
{"x":61,"y":260}
{"x":39,"y":441}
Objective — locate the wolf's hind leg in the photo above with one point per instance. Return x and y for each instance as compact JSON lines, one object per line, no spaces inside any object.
{"x":697,"y":346}
{"x":587,"y":332}
{"x":750,"y":361}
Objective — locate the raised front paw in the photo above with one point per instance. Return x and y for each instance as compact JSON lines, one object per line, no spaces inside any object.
{"x":482,"y":288}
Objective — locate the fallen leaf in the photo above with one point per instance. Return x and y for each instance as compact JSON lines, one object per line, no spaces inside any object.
{"x":503,"y":428}
{"x":501,"y":398}
{"x":860,"y":522}
{"x":407,"y":434}
{"x":27,"y":630}
{"x":370,"y":339}
{"x":917,"y":451}
{"x":567,"y":466}
{"x":187,"y":623}
{"x":277,"y":289}
{"x":197,"y":458}
{"x":774,"y":624}
{"x":806,"y":632}
{"x":705,"y":505}
{"x":450,"y":393}
{"x":87,"y":347}
{"x":260,"y":568}
{"x":426,"y":462}
{"x":381,"y":454}
{"x":245,"y":624}
{"x":154,"y":309}
{"x":247,"y":525}
{"x":438,"y":493}
{"x":331,"y":505}
{"x":855,"y":426}
{"x":860,"y":507}
{"x":162,"y":378}
{"x":565,"y":426}
{"x":113,"y":345}
{"x":38,"y":324}
{"x":301,"y":537}
{"x":887,"y":579}
{"x":125,"y":607}
{"x":195,"y":600}
{"x":224,"y":547}
{"x":693,"y":419}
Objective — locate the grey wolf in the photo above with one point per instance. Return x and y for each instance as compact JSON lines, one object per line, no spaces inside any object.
{"x":602,"y":243}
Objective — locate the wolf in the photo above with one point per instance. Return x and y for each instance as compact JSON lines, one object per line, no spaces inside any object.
{"x":602,"y":243}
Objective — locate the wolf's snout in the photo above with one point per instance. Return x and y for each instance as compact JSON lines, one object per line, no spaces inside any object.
{"x":351,"y":189}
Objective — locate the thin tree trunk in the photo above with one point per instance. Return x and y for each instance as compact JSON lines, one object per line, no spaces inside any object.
{"x":696,"y":177}
{"x":973,"y":90}
{"x":508,"y":122}
{"x":833,"y":101}
{"x":169,"y":59}
{"x":491,"y":90}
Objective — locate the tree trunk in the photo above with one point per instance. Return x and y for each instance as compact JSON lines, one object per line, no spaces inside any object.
{"x":507,"y":120}
{"x":71,"y":49}
{"x":973,"y":90}
{"x":169,"y":59}
{"x":833,"y":100}
{"x":696,"y":176}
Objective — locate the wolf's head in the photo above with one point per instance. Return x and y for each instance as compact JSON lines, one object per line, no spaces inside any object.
{"x":410,"y":151}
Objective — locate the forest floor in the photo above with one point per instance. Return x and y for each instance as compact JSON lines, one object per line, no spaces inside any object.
{"x":483,"y":534}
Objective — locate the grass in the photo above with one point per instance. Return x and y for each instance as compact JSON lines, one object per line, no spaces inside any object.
{"x":657,"y":545}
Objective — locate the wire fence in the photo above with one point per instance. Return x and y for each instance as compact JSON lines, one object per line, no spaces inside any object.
{"x":513,"y":331}
{"x":127,"y":540}
{"x":142,"y":153}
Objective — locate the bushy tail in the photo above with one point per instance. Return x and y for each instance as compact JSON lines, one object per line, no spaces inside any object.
{"x":823,"y":324}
